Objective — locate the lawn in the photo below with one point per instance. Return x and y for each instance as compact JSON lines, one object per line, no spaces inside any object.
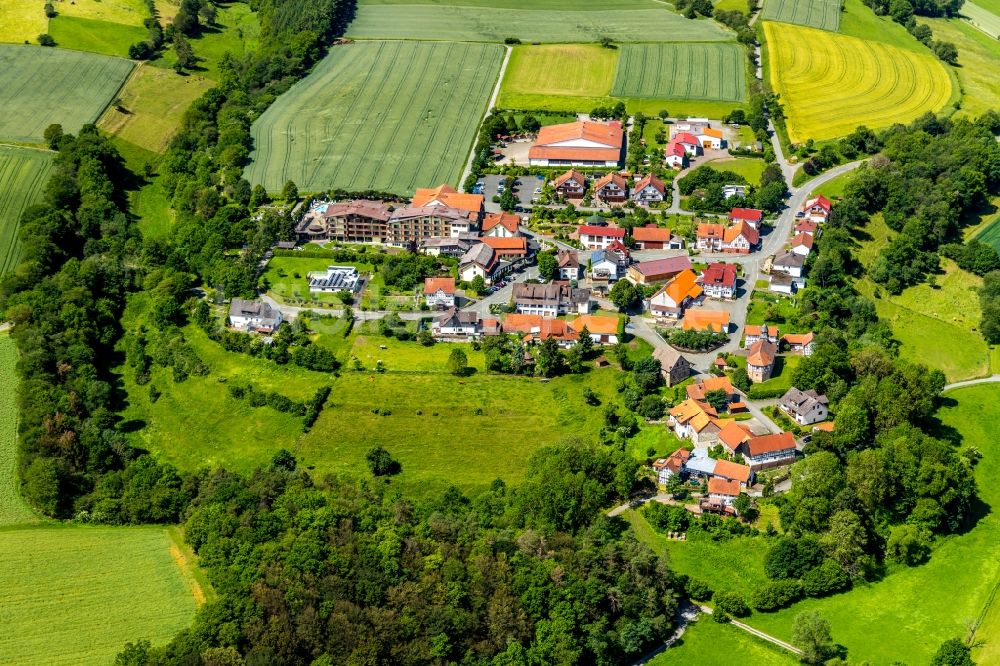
{"x":978,"y":55}
{"x":77,"y":88}
{"x":748,"y":167}
{"x":13,"y":508}
{"x":574,"y":70}
{"x":822,"y":14}
{"x":772,"y":309}
{"x":860,"y":21}
{"x":23,"y":174}
{"x":20,"y":21}
{"x":913,"y":610}
{"x":830,"y":83}
{"x":154,"y":101}
{"x":84,"y":34}
{"x":715,"y":72}
{"x":708,"y":643}
{"x":781,"y":379}
{"x":76,"y":595}
{"x":397,"y":356}
{"x":495,"y":21}
{"x":284,"y":285}
{"x":126,"y":12}
{"x":982,"y":18}
{"x":389,"y":116}
{"x":834,"y":188}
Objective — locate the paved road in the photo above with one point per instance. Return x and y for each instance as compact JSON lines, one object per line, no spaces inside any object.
{"x":291,"y":311}
{"x":992,"y":379}
{"x":502,"y":296}
{"x":489,"y":110}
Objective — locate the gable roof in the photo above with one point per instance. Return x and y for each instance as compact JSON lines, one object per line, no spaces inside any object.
{"x":515,"y":245}
{"x":675,"y":149}
{"x":447,"y":195}
{"x":748,"y":214}
{"x":762,"y":444}
{"x":689,"y":409}
{"x":741,"y":228}
{"x":712,"y":132}
{"x":806,"y":226}
{"x":568,"y":259}
{"x":617,"y":246}
{"x":803,"y":239}
{"x":596,"y":324}
{"x":651,"y":233}
{"x":608,"y":232}
{"x":797,"y":338}
{"x":480,"y":254}
{"x":701,"y":319}
{"x":612,"y":178}
{"x":606,"y":134}
{"x":761,"y":353}
{"x":820,"y":201}
{"x":734,"y":434}
{"x":719,"y":274}
{"x":674,"y":462}
{"x":793,"y":259}
{"x":508,"y":221}
{"x":683,"y":285}
{"x":572,"y":174}
{"x":649,"y":180}
{"x":707,"y":230}
{"x":717,"y":486}
{"x":698,"y":390}
{"x":245,"y":308}
{"x":669,"y":357}
{"x":445,"y":284}
{"x":802,"y":402}
{"x":731,"y":470}
{"x":666,"y":266}
{"x":685,"y":138}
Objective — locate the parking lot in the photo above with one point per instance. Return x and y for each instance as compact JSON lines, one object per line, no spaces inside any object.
{"x":525,"y":191}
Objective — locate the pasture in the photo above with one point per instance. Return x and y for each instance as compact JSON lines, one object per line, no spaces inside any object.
{"x":389,"y":116}
{"x":78,"y":87}
{"x":76,"y":595}
{"x":20,"y":21}
{"x":912,"y":610}
{"x":105,"y":37}
{"x":23,"y":174}
{"x":155,"y":100}
{"x":686,"y":71}
{"x":574,"y":70}
{"x":982,"y":18}
{"x":496,"y":21}
{"x":822,"y":14}
{"x":749,"y":167}
{"x":978,"y":55}
{"x":708,"y":643}
{"x":830,"y":83}
{"x":13,"y":508}
{"x":125,"y":12}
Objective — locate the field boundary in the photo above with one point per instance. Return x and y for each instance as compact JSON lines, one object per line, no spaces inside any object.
{"x":490,"y":105}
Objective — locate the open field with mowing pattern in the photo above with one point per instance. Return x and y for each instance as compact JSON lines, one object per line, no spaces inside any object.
{"x":83,"y":34}
{"x":494,"y":23}
{"x":575,"y":70}
{"x":20,"y":21}
{"x":991,"y":235}
{"x":708,"y":643}
{"x":13,"y":509}
{"x":978,"y":54}
{"x":982,"y":18}
{"x":685,"y":71}
{"x":822,"y":14}
{"x":126,"y":12}
{"x":389,"y":116}
{"x":23,"y":173}
{"x":78,"y":87}
{"x":76,"y":595}
{"x":830,"y":83}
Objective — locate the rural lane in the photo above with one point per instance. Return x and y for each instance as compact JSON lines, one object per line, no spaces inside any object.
{"x":992,"y":379}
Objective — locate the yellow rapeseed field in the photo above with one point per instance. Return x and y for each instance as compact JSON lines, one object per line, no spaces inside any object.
{"x":829,"y":83}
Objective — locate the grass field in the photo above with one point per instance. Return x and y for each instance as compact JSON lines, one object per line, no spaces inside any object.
{"x":982,"y":18}
{"x":494,"y":22}
{"x":688,"y":71}
{"x":830,"y":83}
{"x":708,"y":643}
{"x":834,"y":187}
{"x":13,"y":509}
{"x":84,"y":34}
{"x":76,"y":595}
{"x":236,"y":31}
{"x":388,"y":116}
{"x":991,"y":234}
{"x":748,"y":167}
{"x":78,"y":86}
{"x":125,"y":12}
{"x":978,"y":55}
{"x":23,"y":173}
{"x":822,"y":14}
{"x":155,"y":100}
{"x":913,"y":610}
{"x":20,"y":21}
{"x":575,"y":70}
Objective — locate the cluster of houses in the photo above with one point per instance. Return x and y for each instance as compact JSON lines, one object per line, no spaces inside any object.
{"x":612,"y":189}
{"x":788,"y":266}
{"x":465,"y":325}
{"x":691,"y":138}
{"x":740,"y":236}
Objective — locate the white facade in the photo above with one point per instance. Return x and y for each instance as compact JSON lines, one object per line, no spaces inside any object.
{"x":440,"y":298}
{"x":468,"y":272}
{"x":734,"y":191}
{"x":595,"y":241}
{"x":708,"y":141}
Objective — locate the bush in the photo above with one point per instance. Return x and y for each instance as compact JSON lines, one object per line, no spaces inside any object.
{"x":667,"y":518}
{"x":792,"y":558}
{"x":731,"y":603}
{"x":827,"y":578}
{"x":697,"y":589}
{"x":380,"y":462}
{"x":775,"y":595}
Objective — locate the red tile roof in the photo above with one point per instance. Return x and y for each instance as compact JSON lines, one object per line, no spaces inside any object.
{"x":516,"y":245}
{"x":770,"y":443}
{"x":761,"y":353}
{"x":820,"y":201}
{"x":748,"y":214}
{"x":675,"y":149}
{"x":685,"y":138}
{"x":445,"y":284}
{"x":803,"y":239}
{"x":650,"y":180}
{"x":651,"y":233}
{"x":717,"y":486}
{"x":719,"y":274}
{"x":732,"y":470}
{"x":607,"y":232}
{"x":572,"y":174}
{"x":508,"y":221}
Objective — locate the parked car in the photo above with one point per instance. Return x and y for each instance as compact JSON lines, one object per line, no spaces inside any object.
{"x":538,"y":191}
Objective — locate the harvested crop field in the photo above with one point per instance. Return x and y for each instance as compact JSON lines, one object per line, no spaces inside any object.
{"x":682,"y":71}
{"x":495,"y":23}
{"x":822,"y":14}
{"x":20,"y":21}
{"x":77,"y":88}
{"x":388,"y":116}
{"x":23,"y":173}
{"x":76,"y":595}
{"x":829,"y":83}
{"x":982,"y":18}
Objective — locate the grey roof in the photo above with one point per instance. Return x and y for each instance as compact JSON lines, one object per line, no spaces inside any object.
{"x":782,"y":278}
{"x":802,"y":402}
{"x":337,"y":277}
{"x":455,"y":317}
{"x":668,"y":357}
{"x":549,"y":294}
{"x":376,"y":210}
{"x":255,"y":309}
{"x":481,"y":254}
{"x":702,"y":465}
{"x":444,"y":212}
{"x":568,"y":258}
{"x":790,"y":259}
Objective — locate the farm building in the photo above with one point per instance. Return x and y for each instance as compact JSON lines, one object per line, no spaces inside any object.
{"x":253,"y":316}
{"x":581,"y":143}
{"x":711,"y":138}
{"x":334,"y":279}
{"x":652,"y":237}
{"x":674,"y":367}
{"x":658,"y":270}
{"x":799,"y":343}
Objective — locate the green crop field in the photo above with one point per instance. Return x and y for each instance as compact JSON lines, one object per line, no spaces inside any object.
{"x":78,"y":87}
{"x":13,"y":509}
{"x":20,"y":21}
{"x":822,"y":14}
{"x":978,"y":55}
{"x":573,"y":70}
{"x":991,"y":235}
{"x":496,"y":22}
{"x":685,"y":71}
{"x":83,"y":34}
{"x":389,"y":116}
{"x":982,"y":18}
{"x":76,"y":595}
{"x":23,"y":173}
{"x":829,"y":84}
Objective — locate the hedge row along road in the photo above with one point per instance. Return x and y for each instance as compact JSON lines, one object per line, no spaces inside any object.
{"x":42,"y":86}
{"x":829,"y":84}
{"x":389,"y":116}
{"x":822,"y":14}
{"x":23,"y":173}
{"x":686,"y":71}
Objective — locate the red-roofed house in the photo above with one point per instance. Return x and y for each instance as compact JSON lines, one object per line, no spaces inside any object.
{"x":801,"y":343}
{"x":652,"y":237}
{"x":719,"y":280}
{"x":612,"y":188}
{"x":508,"y":249}
{"x":581,"y":143}
{"x":571,"y":184}
{"x":751,"y":216}
{"x":741,"y":238}
{"x":802,"y":244}
{"x":670,"y":466}
{"x":649,"y":190}
{"x":723,"y":491}
{"x":439,"y":292}
{"x":817,"y":209}
{"x":766,"y":451}
{"x":598,"y":238}
{"x":675,"y":155}
{"x":689,"y":142}
{"x":710,"y":237}
{"x":806,"y":227}
{"x":501,"y":225}
{"x":754,"y":333}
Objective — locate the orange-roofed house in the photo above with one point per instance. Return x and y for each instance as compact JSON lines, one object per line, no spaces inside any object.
{"x":806,"y":227}
{"x":799,"y":343}
{"x":535,"y":328}
{"x":802,"y":244}
{"x":581,"y":143}
{"x":649,"y":190}
{"x":439,"y":292}
{"x":710,"y":236}
{"x":602,"y":330}
{"x":702,"y":319}
{"x":698,"y":390}
{"x":696,"y":421}
{"x":712,"y":138}
{"x":508,"y":249}
{"x":446,"y":195}
{"x":762,"y":332}
{"x":740,"y":238}
{"x":652,"y":237}
{"x":571,"y":184}
{"x":501,"y":225}
{"x":674,"y":297}
{"x":760,"y":360}
{"x":612,"y":188}
{"x":766,"y":451}
{"x":670,"y":466}
{"x":731,"y":471}
{"x":723,"y":491}
{"x":733,"y":435}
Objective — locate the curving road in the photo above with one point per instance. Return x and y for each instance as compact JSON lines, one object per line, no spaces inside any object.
{"x":992,"y":379}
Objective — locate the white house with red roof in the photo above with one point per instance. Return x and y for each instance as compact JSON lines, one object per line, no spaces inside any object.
{"x":766,"y":451}
{"x":599,"y":238}
{"x":652,"y":237}
{"x":817,"y":209}
{"x":719,"y":280}
{"x":501,"y":225}
{"x":802,"y":244}
{"x":675,"y":155}
{"x":740,"y":238}
{"x":571,"y":184}
{"x":806,"y":227}
{"x":612,"y":188}
{"x":688,"y":141}
{"x":649,"y":190}
{"x":439,"y":292}
{"x":750,"y":216}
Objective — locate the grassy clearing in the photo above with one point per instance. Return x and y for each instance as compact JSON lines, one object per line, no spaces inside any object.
{"x":155,"y":100}
{"x":287,"y":278}
{"x":388,"y":116}
{"x":708,"y":643}
{"x":494,"y":23}
{"x":748,"y":167}
{"x":982,"y":18}
{"x":83,"y":34}
{"x":822,"y":14}
{"x":714,"y":72}
{"x":830,"y":83}
{"x":575,"y":70}
{"x":978,"y":55}
{"x":834,"y":188}
{"x":236,"y":31}
{"x":23,"y":173}
{"x":21,"y":21}
{"x":78,"y":86}
{"x":151,"y":204}
{"x":126,"y":12}
{"x":76,"y":595}
{"x":13,"y":509}
{"x":913,"y":610}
